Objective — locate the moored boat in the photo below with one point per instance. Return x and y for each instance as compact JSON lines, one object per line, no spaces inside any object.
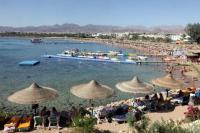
{"x":36,"y":40}
{"x":142,"y":57}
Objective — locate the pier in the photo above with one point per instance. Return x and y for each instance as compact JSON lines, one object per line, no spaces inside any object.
{"x":151,"y":62}
{"x":100,"y":60}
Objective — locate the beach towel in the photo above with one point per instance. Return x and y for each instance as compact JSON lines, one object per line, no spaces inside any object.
{"x":197,"y":93}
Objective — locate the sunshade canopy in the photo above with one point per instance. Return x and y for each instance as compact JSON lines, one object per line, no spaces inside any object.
{"x":92,"y":90}
{"x":135,"y":86}
{"x":168,"y":82}
{"x":34,"y":94}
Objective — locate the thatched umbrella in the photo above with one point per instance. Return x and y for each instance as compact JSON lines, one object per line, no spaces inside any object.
{"x":135,"y":86}
{"x":34,"y":94}
{"x":168,"y":82}
{"x":92,"y":91}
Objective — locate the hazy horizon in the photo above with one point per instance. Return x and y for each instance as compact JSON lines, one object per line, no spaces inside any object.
{"x":92,"y":24}
{"x":21,"y":13}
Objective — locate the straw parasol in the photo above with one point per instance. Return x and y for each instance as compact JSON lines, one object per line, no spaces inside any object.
{"x":135,"y":86}
{"x":168,"y":82}
{"x":34,"y":94}
{"x":92,"y":90}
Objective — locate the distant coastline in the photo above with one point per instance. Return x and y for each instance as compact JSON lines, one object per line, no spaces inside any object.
{"x":147,"y":47}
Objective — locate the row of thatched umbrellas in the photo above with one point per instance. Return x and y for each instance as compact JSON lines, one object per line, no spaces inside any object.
{"x":36,"y":94}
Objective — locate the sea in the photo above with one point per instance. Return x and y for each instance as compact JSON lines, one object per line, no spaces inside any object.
{"x":62,"y":74}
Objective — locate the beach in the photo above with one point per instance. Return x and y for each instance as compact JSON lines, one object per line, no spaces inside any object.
{"x":177,"y":114}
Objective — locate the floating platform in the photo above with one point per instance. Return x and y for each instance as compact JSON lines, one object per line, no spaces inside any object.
{"x":90,"y":59}
{"x":29,"y":63}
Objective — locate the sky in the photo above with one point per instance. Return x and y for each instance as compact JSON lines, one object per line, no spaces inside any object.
{"x":20,"y":13}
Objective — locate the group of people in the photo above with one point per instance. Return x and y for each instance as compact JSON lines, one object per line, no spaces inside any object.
{"x":149,"y":103}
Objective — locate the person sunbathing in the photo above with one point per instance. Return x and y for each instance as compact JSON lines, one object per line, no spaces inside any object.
{"x":138,"y":103}
{"x":155,"y":97}
{"x":180,"y":93}
{"x":147,"y":97}
{"x":161,"y":98}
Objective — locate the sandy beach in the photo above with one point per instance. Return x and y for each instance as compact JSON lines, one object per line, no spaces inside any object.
{"x":149,"y":48}
{"x":177,"y":115}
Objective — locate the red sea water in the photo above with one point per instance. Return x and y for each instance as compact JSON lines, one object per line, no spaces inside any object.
{"x":63,"y":74}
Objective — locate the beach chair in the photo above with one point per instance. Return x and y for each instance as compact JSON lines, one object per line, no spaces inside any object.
{"x":12,"y":124}
{"x":25,"y":123}
{"x":65,"y":119}
{"x":53,"y":121}
{"x":120,"y":118}
{"x":102,"y":113}
{"x":186,"y":100}
{"x":38,"y":121}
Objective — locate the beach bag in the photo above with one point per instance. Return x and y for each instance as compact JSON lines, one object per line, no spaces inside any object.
{"x":197,"y":93}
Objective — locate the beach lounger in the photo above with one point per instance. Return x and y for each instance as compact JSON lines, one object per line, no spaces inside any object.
{"x":25,"y":123}
{"x":120,"y":118}
{"x":103,"y":113}
{"x":38,"y":121}
{"x":53,"y":121}
{"x":12,"y":124}
{"x":186,"y":100}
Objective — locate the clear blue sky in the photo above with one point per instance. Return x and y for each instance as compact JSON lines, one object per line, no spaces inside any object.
{"x":105,"y":12}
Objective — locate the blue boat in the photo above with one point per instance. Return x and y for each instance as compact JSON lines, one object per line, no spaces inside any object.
{"x":36,"y":40}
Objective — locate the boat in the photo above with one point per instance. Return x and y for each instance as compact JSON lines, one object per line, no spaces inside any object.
{"x":142,"y":57}
{"x":114,"y":59}
{"x":112,"y":53}
{"x":94,"y":56}
{"x":129,"y":60}
{"x":36,"y":40}
{"x":90,"y":57}
{"x":103,"y":57}
{"x":120,"y":54}
{"x":68,"y":55}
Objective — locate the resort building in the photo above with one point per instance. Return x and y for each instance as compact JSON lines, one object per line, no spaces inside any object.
{"x":153,"y":35}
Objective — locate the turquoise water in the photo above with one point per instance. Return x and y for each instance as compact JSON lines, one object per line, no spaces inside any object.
{"x":61,"y":74}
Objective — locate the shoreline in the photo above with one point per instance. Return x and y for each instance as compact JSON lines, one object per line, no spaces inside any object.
{"x":153,"y":116}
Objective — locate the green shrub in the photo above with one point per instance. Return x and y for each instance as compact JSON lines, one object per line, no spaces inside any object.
{"x":167,"y":127}
{"x":87,"y":123}
{"x":194,"y":127}
{"x":140,"y":126}
{"x":192,"y":114}
{"x":4,"y":116}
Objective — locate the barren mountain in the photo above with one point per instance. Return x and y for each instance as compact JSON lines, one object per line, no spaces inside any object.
{"x":74,"y":28}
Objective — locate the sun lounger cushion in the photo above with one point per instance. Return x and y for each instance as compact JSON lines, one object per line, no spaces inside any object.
{"x":25,"y":123}
{"x":120,"y":118}
{"x":12,"y":124}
